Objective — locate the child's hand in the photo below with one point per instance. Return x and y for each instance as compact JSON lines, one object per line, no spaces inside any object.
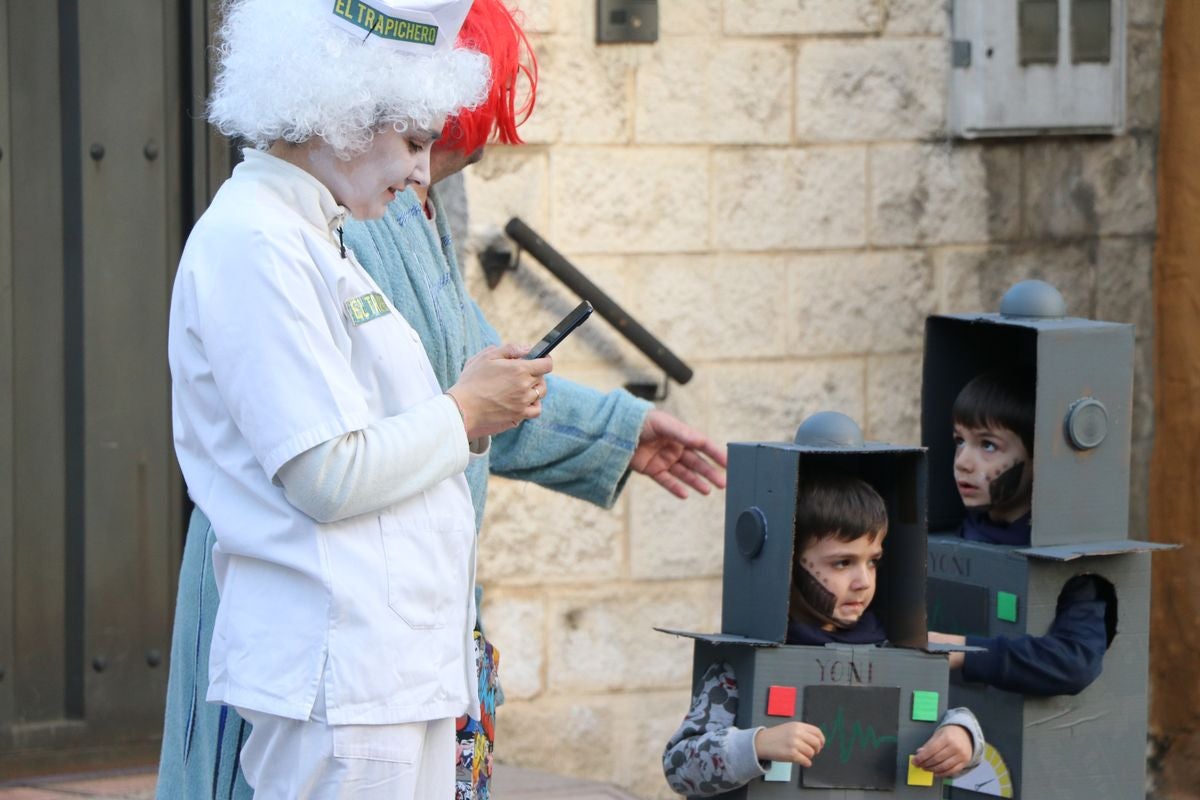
{"x":946,"y":752}
{"x":794,"y":742}
{"x":956,"y":659}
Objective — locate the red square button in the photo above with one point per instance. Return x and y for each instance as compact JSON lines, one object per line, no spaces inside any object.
{"x":781,"y":701}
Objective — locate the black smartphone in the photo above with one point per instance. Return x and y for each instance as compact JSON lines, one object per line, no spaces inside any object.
{"x":559,"y":332}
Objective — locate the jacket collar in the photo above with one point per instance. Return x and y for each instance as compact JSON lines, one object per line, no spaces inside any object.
{"x":297,"y":188}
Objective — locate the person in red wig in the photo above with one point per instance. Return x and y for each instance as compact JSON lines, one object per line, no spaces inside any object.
{"x":585,"y":443}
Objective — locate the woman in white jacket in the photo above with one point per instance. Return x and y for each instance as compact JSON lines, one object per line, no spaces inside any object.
{"x":308,"y":422}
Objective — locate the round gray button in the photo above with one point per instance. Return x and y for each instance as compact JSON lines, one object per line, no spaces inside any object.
{"x":1086,"y":423}
{"x":751,"y":532}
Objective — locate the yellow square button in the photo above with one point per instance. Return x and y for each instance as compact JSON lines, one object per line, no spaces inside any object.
{"x":918,"y":776}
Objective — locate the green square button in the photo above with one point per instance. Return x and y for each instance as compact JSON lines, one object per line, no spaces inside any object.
{"x":1006,"y":606}
{"x":925,"y":706}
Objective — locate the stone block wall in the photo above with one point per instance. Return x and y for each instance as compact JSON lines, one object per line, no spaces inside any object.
{"x":770,"y":190}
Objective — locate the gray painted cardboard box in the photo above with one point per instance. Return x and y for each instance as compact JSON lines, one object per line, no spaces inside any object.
{"x":1082,"y":428}
{"x":863,"y":699}
{"x":760,"y":507}
{"x":1091,"y":745}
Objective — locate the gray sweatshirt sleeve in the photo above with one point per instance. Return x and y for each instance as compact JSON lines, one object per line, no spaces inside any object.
{"x":964,"y":717}
{"x":708,"y":755}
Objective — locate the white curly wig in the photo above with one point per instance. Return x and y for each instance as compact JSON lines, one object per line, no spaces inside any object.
{"x":286,"y":71}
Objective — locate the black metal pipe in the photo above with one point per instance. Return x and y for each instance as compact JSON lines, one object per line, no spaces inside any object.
{"x":578,"y":283}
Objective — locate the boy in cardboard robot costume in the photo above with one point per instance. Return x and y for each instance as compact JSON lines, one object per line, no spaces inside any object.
{"x":798,"y":676}
{"x":308,"y":421}
{"x":1037,"y":567}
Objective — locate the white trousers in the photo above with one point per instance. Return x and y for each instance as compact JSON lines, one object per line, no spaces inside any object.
{"x":286,"y":759}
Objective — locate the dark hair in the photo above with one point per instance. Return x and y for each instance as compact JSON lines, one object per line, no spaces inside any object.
{"x":1000,"y":398}
{"x":834,"y":504}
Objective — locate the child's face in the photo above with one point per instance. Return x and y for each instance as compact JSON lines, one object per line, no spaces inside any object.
{"x":993,"y":470}
{"x":847,"y":571}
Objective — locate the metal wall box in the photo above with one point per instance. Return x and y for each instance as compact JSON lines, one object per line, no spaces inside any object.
{"x":760,"y":507}
{"x":1037,"y":67}
{"x":626,"y":21}
{"x":1084,"y":398}
{"x":1088,"y":745}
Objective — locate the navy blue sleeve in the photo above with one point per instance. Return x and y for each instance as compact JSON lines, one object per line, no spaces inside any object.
{"x":1064,"y":661}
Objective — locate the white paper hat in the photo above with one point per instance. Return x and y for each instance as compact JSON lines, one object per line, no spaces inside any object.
{"x":412,"y":25}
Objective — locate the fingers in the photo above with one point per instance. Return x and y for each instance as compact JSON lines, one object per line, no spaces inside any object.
{"x":498,"y":390}
{"x":540,"y":366}
{"x":689,"y":476}
{"x":943,"y":764}
{"x":807,"y":743}
{"x":673,"y":486}
{"x":945,"y":753}
{"x":508,"y":350}
{"x":538,"y":392}
{"x":795,"y":742}
{"x":694,"y":471}
{"x":700,"y":454}
{"x":704,"y":468}
{"x":696,"y":441}
{"x":717,"y":454}
{"x":692,"y":439}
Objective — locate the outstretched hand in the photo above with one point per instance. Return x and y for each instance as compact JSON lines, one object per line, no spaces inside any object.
{"x":675,"y":454}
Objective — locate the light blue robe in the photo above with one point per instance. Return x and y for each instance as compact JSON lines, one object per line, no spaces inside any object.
{"x":581,"y":445}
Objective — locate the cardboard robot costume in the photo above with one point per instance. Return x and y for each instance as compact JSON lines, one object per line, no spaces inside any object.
{"x":875,"y":705}
{"x":1090,"y":744}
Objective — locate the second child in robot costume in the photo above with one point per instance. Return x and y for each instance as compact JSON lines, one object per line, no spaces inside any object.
{"x":841,"y":524}
{"x":309,"y":425}
{"x":993,"y":468}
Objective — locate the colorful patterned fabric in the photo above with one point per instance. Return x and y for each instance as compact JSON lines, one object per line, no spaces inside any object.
{"x":473,"y":771}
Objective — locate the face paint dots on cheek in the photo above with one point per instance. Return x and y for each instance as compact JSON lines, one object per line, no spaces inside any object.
{"x":1000,"y":470}
{"x":1006,"y":487}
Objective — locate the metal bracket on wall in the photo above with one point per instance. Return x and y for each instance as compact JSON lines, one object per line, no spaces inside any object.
{"x":499,"y":257}
{"x":650,"y":390}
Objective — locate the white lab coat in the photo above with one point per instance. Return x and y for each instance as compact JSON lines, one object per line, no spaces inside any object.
{"x":271,"y":353}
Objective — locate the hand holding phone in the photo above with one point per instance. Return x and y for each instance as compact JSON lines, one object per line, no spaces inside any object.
{"x":559,"y":332}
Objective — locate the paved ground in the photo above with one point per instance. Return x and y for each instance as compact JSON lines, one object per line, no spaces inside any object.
{"x":510,"y":783}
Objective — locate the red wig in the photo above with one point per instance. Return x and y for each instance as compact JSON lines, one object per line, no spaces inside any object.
{"x":492,"y":29}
